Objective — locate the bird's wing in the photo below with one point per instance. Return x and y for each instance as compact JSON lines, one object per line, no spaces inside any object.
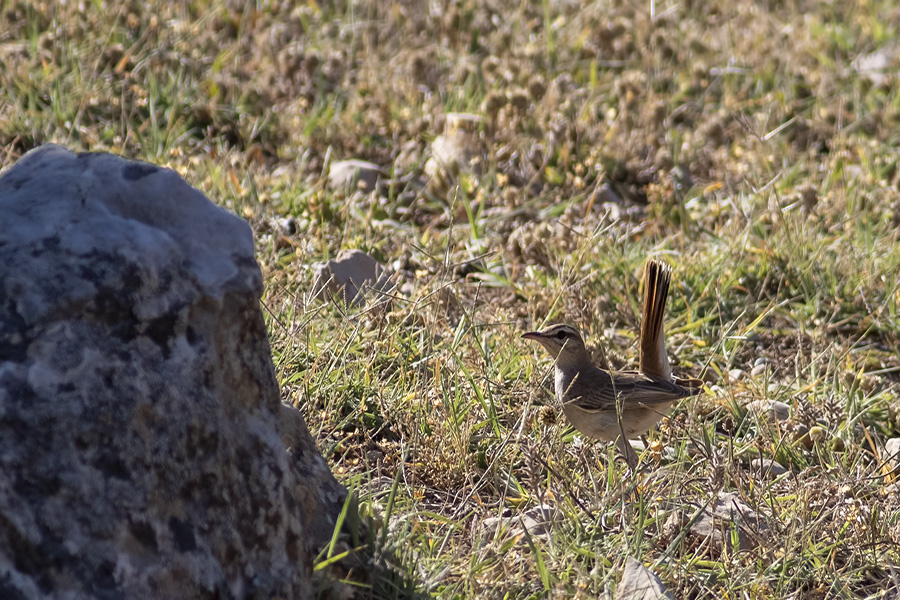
{"x":632,"y":389}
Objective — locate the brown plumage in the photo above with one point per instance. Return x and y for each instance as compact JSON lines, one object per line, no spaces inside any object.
{"x":593,"y":399}
{"x":653,"y":358}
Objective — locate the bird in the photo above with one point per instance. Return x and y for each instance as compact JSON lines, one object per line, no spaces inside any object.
{"x":618,"y":406}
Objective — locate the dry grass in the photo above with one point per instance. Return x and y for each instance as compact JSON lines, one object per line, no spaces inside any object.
{"x":734,"y":140}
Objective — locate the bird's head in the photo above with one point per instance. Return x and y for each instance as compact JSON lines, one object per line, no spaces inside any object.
{"x":563,"y":342}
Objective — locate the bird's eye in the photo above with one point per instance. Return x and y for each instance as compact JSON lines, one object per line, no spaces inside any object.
{"x":561,"y":335}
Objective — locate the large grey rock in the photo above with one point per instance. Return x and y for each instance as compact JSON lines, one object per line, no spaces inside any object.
{"x":141,"y":450}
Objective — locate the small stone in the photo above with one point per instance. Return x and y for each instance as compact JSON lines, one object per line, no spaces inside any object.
{"x":639,"y":583}
{"x":674,"y":524}
{"x":767,"y":467}
{"x":682,"y":179}
{"x":604,"y":195}
{"x":536,"y":521}
{"x":892,"y":452}
{"x":457,"y":150}
{"x":758,"y":370}
{"x":877,"y":65}
{"x":352,"y":273}
{"x":715,"y":522}
{"x":286,"y":225}
{"x":774,"y":410}
{"x":801,"y":436}
{"x":735,"y":374}
{"x":760,"y":366}
{"x":353,"y":174}
{"x":452,"y":153}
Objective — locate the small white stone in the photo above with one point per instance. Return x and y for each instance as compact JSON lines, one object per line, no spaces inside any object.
{"x":892,"y":452}
{"x":353,"y":174}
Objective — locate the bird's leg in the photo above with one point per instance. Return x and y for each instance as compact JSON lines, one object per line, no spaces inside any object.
{"x":628,"y":452}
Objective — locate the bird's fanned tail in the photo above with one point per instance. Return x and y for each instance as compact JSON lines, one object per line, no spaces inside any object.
{"x":654,"y":361}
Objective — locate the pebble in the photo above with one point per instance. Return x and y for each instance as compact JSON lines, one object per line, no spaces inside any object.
{"x":892,"y":452}
{"x":606,"y":195}
{"x":536,"y":521}
{"x":758,"y":370}
{"x":353,"y":174}
{"x":639,"y":583}
{"x":767,"y":467}
{"x":286,"y":225}
{"x":774,"y":409}
{"x":801,"y":436}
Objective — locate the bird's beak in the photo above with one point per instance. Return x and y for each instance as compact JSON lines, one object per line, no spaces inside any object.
{"x":532,"y":335}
